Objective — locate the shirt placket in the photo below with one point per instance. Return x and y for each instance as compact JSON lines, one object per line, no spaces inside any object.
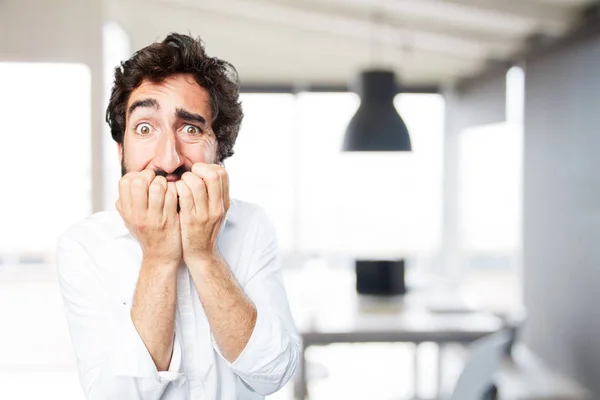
{"x":189,"y":333}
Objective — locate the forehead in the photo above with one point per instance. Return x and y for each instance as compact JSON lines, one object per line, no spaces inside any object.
{"x":176,"y":91}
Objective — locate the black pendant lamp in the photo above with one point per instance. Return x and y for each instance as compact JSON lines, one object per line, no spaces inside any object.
{"x":377,"y":126}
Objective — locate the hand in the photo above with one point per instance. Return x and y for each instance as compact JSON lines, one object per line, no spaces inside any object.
{"x":204,"y":201}
{"x":148,"y":205}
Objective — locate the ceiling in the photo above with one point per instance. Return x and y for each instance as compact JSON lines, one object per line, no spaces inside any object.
{"x":326,"y":42}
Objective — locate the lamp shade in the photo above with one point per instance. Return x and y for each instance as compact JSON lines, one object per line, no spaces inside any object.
{"x":377,"y":126}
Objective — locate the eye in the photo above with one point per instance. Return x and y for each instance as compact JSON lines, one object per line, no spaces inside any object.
{"x":191,"y":130}
{"x":144,"y":129}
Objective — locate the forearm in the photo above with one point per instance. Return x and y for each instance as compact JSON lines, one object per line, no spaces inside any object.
{"x":153,"y":310}
{"x":231,"y":314}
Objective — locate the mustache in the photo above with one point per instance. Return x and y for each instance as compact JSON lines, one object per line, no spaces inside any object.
{"x":178,"y":172}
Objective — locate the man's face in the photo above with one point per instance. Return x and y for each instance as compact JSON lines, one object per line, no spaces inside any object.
{"x":168,"y":128}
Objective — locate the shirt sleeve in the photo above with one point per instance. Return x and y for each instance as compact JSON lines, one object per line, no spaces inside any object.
{"x":271,"y":355}
{"x":112,"y":358}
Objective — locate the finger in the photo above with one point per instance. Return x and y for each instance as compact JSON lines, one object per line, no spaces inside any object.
{"x":139,"y":189}
{"x":170,"y":206}
{"x":201,"y":169}
{"x":148,"y":175}
{"x":199,"y":194}
{"x":211,"y":174}
{"x":186,"y":199}
{"x":225,"y":189}
{"x":125,"y":193}
{"x":156,"y":195}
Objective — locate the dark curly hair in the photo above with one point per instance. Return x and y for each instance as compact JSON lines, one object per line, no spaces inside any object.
{"x":178,"y":54}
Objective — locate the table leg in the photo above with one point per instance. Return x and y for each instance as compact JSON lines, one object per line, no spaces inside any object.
{"x":439,"y":370}
{"x":416,"y":372}
{"x":300,"y":386}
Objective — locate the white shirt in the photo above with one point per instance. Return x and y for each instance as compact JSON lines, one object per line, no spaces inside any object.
{"x":98,"y":265}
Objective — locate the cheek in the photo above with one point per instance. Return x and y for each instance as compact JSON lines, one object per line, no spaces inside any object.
{"x":137,"y":157}
{"x":204,"y":152}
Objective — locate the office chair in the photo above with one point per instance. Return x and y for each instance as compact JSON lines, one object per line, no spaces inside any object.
{"x":483,"y":361}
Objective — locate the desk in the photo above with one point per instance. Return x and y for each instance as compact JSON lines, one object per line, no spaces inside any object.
{"x":338,"y":314}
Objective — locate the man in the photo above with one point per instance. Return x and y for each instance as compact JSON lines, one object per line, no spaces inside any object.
{"x":178,"y":294}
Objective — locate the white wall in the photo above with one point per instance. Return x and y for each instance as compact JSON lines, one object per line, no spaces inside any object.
{"x":562,"y":209}
{"x":60,"y":31}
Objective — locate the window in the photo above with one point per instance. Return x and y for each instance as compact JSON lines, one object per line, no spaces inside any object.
{"x":45,"y":154}
{"x":261,"y":170}
{"x":490,"y":170}
{"x":490,"y":190}
{"x":324,"y":201}
{"x":490,"y":176}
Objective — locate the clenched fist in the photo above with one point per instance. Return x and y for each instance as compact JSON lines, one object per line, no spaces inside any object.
{"x":148,"y":205}
{"x":204,"y":201}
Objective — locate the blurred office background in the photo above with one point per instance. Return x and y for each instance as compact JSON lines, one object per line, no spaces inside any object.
{"x":496,"y":211}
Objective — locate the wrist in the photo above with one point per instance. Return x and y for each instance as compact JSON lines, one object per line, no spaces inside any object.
{"x":157,"y":261}
{"x":202,"y":259}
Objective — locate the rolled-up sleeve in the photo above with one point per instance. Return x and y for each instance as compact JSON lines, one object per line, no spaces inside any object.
{"x":271,"y":355}
{"x":112,"y":359}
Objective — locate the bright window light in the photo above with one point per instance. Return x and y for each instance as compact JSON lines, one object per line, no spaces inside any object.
{"x":45,"y":153}
{"x":289,"y":160}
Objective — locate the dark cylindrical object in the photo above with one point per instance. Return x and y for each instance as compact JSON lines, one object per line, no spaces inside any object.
{"x":380,"y":277}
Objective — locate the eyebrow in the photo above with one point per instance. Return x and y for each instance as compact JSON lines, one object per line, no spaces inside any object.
{"x":143,"y":103}
{"x":189,"y":116}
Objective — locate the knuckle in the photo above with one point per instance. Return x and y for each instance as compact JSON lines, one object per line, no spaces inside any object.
{"x":190,"y":178}
{"x":213,"y":176}
{"x":195,"y":183}
{"x":160,"y":179}
{"x":217,"y":214}
{"x":138,"y":183}
{"x":158,"y":185}
{"x":156,"y":189}
{"x":148,"y":174}
{"x":187,"y":175}
{"x":123,"y":183}
{"x":141,"y":227}
{"x":140,"y":224}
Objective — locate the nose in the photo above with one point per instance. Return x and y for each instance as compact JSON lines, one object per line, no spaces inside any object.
{"x":167,"y":154}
